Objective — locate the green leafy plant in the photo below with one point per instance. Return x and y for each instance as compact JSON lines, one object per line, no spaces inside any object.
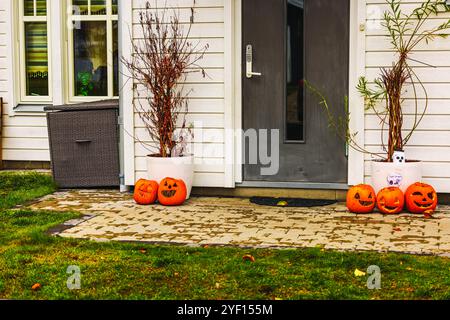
{"x":385,"y":95}
{"x":84,"y":82}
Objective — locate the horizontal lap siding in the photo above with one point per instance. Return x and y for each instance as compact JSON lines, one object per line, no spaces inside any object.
{"x":24,"y":137}
{"x":206,"y":102}
{"x":431,"y":141}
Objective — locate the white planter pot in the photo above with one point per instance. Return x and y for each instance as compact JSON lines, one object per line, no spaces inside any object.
{"x":177,"y":168}
{"x":402,"y":175}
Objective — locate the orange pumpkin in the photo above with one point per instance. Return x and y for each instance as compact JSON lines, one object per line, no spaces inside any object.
{"x":172,"y":192}
{"x":421,"y":198}
{"x":390,"y":200}
{"x":361,"y":199}
{"x":145,"y":192}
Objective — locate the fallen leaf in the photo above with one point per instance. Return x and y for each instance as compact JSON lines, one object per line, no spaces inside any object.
{"x":217,"y":285}
{"x":397,"y":229}
{"x":359,"y":273}
{"x":143,"y":251}
{"x":282,"y":203}
{"x":428,"y":214}
{"x":36,"y":286}
{"x":278,"y":299}
{"x":248,"y":257}
{"x":206,"y":246}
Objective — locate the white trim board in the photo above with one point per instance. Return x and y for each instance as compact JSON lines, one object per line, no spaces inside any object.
{"x":238,"y":143}
{"x":126,"y":92}
{"x":357,"y":67}
{"x":229,"y":71}
{"x":10,"y":36}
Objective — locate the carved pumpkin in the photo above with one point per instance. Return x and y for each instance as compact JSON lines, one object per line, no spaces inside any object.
{"x":172,"y":192}
{"x":145,"y":192}
{"x":390,"y":200}
{"x":421,"y":198}
{"x":361,"y":199}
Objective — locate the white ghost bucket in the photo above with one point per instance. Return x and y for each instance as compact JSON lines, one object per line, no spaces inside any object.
{"x":390,"y":174}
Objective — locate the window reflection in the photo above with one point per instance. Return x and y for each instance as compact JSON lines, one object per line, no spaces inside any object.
{"x":80,"y":7}
{"x":41,"y":7}
{"x":36,"y":59}
{"x":98,"y":7}
{"x":90,"y":53}
{"x":28,"y":7}
{"x":115,"y":9}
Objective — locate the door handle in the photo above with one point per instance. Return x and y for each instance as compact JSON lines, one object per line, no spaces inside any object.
{"x":83,"y":141}
{"x":249,"y":64}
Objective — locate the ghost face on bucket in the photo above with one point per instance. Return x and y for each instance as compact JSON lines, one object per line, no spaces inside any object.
{"x":394,"y":179}
{"x":399,"y":157}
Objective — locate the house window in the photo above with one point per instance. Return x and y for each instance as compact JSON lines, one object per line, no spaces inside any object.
{"x":34,"y":50}
{"x":93,"y":49}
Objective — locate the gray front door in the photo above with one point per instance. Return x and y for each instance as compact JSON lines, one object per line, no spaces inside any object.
{"x":292,"y":40}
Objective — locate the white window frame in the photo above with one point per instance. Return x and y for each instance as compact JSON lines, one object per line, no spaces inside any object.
{"x":109,"y":18}
{"x":24,"y":98}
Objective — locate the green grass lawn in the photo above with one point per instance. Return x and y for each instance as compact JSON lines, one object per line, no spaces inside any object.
{"x":130,"y":271}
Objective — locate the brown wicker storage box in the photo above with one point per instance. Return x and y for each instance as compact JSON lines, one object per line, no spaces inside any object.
{"x":84,"y":144}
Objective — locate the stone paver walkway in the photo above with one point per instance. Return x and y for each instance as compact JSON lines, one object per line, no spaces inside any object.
{"x":235,"y":221}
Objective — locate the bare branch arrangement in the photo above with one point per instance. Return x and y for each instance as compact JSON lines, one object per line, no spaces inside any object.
{"x":161,"y":63}
{"x":406,"y":32}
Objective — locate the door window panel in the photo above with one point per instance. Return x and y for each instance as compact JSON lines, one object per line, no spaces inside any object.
{"x":295,"y":126}
{"x":116,"y":57}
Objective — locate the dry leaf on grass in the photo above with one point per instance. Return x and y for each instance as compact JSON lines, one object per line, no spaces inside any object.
{"x":359,"y":273}
{"x":36,"y":286}
{"x":248,"y":257}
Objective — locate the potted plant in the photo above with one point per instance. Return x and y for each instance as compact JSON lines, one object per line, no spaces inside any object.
{"x":386,"y":94}
{"x":161,"y":62}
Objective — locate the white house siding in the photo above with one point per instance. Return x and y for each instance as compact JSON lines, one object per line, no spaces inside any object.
{"x":431,"y":142}
{"x":24,"y":135}
{"x":207,"y":100}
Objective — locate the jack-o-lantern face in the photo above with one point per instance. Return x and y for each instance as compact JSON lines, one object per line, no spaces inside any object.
{"x":172,"y":192}
{"x":420,"y":198}
{"x":145,"y":192}
{"x":361,"y":199}
{"x":390,"y":200}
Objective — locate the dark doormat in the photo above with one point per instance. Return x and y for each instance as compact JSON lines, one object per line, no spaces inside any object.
{"x":290,"y":202}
